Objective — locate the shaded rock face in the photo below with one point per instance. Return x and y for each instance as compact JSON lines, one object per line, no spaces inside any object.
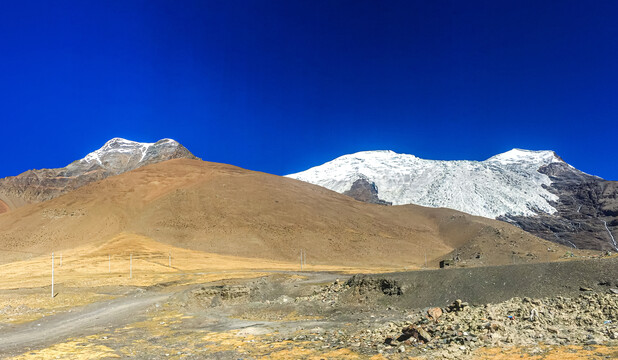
{"x":115,"y":157}
{"x":363,"y":190}
{"x":587,"y":210}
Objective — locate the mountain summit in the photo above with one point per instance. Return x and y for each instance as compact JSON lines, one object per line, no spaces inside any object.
{"x":535,"y":190}
{"x":120,"y":155}
{"x":115,"y":157}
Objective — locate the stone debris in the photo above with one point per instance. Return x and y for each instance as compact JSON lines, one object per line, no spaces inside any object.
{"x":457,"y":305}
{"x":459,"y":328}
{"x":434,"y":313}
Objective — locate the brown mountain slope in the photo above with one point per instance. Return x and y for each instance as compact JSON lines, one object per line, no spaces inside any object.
{"x":228,"y":210}
{"x":115,"y":157}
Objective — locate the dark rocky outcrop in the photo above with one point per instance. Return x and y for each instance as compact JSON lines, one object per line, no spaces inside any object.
{"x":363,"y":190}
{"x":587,"y":210}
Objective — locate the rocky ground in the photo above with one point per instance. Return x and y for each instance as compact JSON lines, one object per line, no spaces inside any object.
{"x":311,"y":315}
{"x":454,"y":331}
{"x":368,"y":316}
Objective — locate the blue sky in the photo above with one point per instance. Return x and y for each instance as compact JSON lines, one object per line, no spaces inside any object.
{"x":280,"y":86}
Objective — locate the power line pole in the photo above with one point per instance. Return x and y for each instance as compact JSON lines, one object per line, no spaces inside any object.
{"x":52,"y":290}
{"x":131,"y":266}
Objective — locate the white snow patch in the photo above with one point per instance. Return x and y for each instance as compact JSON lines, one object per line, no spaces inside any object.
{"x":120,"y":146}
{"x":613,"y":242}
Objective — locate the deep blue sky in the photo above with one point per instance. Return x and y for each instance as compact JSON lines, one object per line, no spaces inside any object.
{"x":280,"y":86}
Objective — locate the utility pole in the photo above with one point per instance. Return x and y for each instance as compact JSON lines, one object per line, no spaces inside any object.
{"x":109,"y":263}
{"x":169,"y":262}
{"x":301,"y":259}
{"x":131,"y":266}
{"x":52,"y":290}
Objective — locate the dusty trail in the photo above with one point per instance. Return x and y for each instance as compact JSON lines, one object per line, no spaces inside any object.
{"x":89,"y":319}
{"x":96,"y":317}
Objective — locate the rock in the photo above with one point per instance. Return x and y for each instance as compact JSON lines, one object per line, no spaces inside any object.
{"x":415,"y":332}
{"x":552,"y":329}
{"x":363,"y":190}
{"x":457,"y":305}
{"x":613,"y":291}
{"x":424,"y":335}
{"x":583,"y":288}
{"x":434,"y":313}
{"x":401,"y":349}
{"x":594,"y":341}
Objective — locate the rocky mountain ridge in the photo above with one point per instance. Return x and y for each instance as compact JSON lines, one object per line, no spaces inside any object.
{"x":115,"y":157}
{"x":535,"y":190}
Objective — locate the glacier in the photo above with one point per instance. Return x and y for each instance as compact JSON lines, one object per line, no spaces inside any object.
{"x":505,"y":184}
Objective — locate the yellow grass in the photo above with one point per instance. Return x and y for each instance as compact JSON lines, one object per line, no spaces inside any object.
{"x":84,"y":270}
{"x":89,"y":266}
{"x":29,"y":307}
{"x":78,"y":349}
{"x":547,"y":352}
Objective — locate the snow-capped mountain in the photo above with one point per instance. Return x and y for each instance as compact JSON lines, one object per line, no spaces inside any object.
{"x":120,"y":155}
{"x":508,"y":183}
{"x":115,"y":157}
{"x":515,"y":186}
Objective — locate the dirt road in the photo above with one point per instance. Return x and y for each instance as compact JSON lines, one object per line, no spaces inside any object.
{"x":97,"y":317}
{"x":84,"y":321}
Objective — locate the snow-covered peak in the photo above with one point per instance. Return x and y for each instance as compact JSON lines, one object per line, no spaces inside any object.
{"x":119,"y":155}
{"x":520,"y":156}
{"x":118,"y":146}
{"x":375,"y":156}
{"x":505,"y":184}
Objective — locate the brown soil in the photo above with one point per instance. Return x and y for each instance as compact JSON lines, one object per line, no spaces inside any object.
{"x":3,"y":207}
{"x":226,"y":210}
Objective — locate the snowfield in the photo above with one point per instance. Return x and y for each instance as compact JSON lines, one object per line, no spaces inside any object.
{"x":505,"y":184}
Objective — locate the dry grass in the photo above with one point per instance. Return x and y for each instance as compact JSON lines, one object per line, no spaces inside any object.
{"x":85,"y":271}
{"x":546,"y":352}
{"x":89,"y":266}
{"x":77,"y":349}
{"x":29,"y":307}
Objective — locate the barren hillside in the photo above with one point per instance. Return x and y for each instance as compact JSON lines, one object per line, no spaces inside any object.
{"x":228,"y":210}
